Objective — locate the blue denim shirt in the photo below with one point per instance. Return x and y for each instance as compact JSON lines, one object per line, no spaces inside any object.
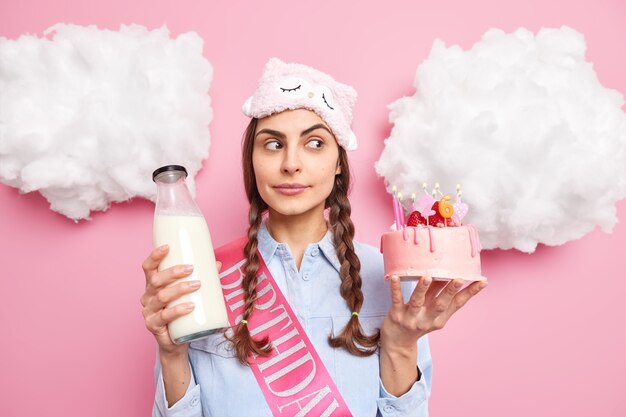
{"x":220,"y":386}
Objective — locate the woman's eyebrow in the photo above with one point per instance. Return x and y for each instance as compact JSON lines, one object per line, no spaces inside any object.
{"x":312,"y":128}
{"x":271,"y":132}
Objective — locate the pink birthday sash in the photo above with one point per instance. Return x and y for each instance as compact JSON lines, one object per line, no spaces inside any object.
{"x":293,"y":379}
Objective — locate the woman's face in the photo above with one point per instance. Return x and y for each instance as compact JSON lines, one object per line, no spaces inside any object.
{"x":295,"y":160}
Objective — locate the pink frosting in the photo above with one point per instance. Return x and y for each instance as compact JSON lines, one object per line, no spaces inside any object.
{"x":451,"y":252}
{"x":474,"y":240}
{"x":430,"y":236}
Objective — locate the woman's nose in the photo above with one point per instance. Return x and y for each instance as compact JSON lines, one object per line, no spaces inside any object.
{"x":291,"y":161}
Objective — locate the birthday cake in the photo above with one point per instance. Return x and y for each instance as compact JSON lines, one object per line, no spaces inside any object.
{"x":433,"y":241}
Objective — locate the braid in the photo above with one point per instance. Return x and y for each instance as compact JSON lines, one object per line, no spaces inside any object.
{"x":241,"y":339}
{"x":350,"y":289}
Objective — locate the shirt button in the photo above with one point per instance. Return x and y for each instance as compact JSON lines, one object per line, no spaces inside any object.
{"x":315,"y":251}
{"x":194,"y":401}
{"x":305,"y":276}
{"x":389,"y":409}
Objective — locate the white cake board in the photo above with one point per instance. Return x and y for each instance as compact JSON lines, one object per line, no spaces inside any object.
{"x":417,"y":277}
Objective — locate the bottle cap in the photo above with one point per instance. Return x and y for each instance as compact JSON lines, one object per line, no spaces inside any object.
{"x":168,"y":168}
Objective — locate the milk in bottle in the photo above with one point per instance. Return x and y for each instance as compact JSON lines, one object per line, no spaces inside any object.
{"x":179,"y":223}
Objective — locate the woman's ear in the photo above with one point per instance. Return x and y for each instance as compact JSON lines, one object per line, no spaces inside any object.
{"x":338,"y":169}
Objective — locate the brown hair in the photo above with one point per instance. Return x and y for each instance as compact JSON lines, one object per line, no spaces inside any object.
{"x":351,"y":337}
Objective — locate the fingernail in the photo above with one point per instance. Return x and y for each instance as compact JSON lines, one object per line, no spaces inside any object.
{"x":188,"y":268}
{"x":427,"y":281}
{"x":458,"y":284}
{"x":483,"y":285}
{"x":394,"y":278}
{"x":163,"y":248}
{"x":194,"y":284}
{"x":189,"y":306}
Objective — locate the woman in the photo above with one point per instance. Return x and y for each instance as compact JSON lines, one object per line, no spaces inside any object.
{"x":367,"y":339}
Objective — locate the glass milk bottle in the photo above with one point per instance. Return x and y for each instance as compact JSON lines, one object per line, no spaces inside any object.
{"x":179,"y":223}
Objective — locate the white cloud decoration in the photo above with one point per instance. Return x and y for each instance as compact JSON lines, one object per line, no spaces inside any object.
{"x":523,"y":124}
{"x":86,"y":115}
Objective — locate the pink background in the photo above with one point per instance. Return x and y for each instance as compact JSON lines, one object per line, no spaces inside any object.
{"x":547,"y":336}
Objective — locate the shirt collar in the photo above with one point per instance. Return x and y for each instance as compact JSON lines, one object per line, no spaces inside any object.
{"x":268,"y":246}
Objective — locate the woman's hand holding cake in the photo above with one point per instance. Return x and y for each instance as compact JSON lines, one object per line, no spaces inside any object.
{"x":430,"y":307}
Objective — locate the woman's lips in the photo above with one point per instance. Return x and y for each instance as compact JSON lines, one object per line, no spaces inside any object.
{"x":290,"y":189}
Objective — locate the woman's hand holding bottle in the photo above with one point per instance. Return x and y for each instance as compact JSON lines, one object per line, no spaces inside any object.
{"x":159,"y":293}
